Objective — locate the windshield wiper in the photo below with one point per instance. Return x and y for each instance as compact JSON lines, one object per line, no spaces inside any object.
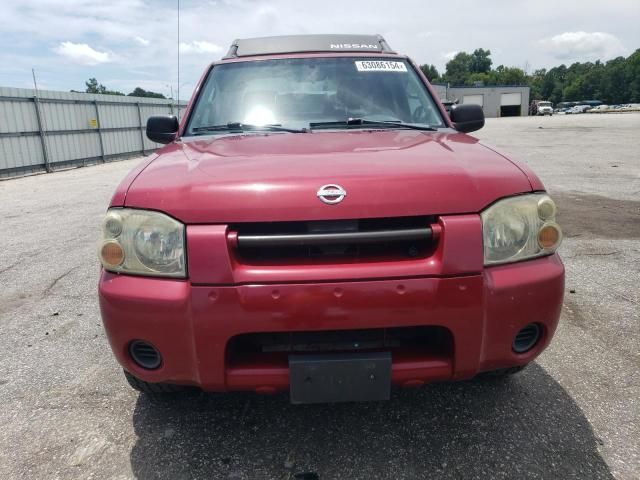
{"x":349,"y":122}
{"x":241,"y":127}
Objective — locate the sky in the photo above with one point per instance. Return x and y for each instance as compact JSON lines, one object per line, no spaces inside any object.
{"x":134,"y":43}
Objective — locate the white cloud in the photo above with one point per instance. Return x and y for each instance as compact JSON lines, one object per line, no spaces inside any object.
{"x":199,"y":47}
{"x":142,"y":41}
{"x":82,"y":53}
{"x":449,"y":55}
{"x":33,"y":28}
{"x":583,"y":45}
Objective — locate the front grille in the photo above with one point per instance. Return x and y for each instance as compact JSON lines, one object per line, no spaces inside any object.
{"x":373,"y":239}
{"x":431,"y":339}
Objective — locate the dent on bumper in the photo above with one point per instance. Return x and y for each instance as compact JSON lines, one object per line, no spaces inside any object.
{"x":191,"y":325}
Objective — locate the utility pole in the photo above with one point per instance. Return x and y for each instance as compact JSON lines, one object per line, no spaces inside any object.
{"x":178,"y":90}
{"x":173,"y":100}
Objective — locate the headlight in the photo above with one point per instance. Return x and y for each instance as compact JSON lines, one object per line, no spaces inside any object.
{"x":519,"y":228}
{"x":142,"y":242}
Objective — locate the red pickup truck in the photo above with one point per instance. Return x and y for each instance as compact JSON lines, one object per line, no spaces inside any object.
{"x":318,"y":224}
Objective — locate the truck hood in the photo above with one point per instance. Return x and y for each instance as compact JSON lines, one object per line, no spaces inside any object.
{"x":276,"y":177}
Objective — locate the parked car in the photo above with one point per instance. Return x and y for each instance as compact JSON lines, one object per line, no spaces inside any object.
{"x":579,"y":109}
{"x":544,"y":108}
{"x":318,"y":224}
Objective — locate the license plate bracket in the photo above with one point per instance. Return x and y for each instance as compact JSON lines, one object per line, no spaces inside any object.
{"x":340,"y":377}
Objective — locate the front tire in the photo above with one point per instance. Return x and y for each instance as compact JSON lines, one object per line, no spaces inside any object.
{"x":152,"y":388}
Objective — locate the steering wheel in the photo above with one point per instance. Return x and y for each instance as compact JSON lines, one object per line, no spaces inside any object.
{"x":420,"y":115}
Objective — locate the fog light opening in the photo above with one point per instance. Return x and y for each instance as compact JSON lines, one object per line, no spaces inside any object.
{"x":144,"y":354}
{"x":527,"y":338}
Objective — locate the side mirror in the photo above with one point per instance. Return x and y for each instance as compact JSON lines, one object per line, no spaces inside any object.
{"x":162,"y":128}
{"x":467,"y":118}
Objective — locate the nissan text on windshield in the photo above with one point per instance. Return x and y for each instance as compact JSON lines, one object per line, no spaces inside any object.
{"x":318,"y":224}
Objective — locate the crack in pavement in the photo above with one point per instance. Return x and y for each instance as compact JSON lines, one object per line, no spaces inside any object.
{"x":19,"y":261}
{"x":6,"y":269}
{"x":57,"y":279}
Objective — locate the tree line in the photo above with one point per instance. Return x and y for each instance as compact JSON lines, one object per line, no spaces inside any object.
{"x":92,"y":86}
{"x":612,"y":82}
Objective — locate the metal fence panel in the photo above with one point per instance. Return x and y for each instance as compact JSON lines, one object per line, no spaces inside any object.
{"x":113,"y":116}
{"x":20,"y":151}
{"x":75,"y":146}
{"x":121,"y":141}
{"x":63,"y":129}
{"x":17,"y":116}
{"x":66,"y":116}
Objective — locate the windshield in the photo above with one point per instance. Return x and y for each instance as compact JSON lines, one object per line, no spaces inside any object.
{"x":295,"y":93}
{"x":544,"y":104}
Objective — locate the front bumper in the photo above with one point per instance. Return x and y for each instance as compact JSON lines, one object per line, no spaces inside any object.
{"x":191,"y":325}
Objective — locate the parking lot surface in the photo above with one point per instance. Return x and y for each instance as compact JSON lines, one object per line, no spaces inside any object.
{"x":66,"y":411}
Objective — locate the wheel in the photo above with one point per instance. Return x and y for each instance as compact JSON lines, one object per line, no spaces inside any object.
{"x":152,"y":388}
{"x":504,"y":372}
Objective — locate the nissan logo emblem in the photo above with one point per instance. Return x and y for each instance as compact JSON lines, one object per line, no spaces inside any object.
{"x":331,"y":194}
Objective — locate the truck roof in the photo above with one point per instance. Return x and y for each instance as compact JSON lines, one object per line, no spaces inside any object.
{"x":248,"y":47}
